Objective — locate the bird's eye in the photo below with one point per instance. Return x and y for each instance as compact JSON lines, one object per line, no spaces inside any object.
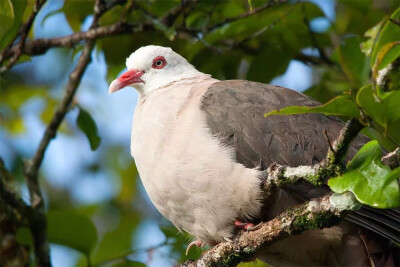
{"x":159,"y":63}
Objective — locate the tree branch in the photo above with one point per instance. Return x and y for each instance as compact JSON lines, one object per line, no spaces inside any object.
{"x":24,"y":31}
{"x":318,"y":213}
{"x":280,"y":175}
{"x":6,"y":193}
{"x":40,"y":46}
{"x":126,"y":254}
{"x":31,"y":167}
{"x":392,"y":159}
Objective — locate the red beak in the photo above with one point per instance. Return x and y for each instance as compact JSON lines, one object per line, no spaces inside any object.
{"x":127,"y":78}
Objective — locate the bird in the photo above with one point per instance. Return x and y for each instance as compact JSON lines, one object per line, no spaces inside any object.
{"x":201,"y":147}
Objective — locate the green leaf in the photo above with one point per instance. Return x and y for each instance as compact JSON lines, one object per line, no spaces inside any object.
{"x":384,"y":110}
{"x":6,"y":36}
{"x":388,"y":53}
{"x":24,"y":236}
{"x":342,"y":106}
{"x":128,"y":263}
{"x":256,"y":263}
{"x":72,"y":230}
{"x":372,"y":182}
{"x":89,"y":127}
{"x":272,"y":62}
{"x":6,"y":16}
{"x":117,"y":240}
{"x":377,"y":135}
{"x":354,"y":63}
{"x":250,"y":6}
{"x":390,"y":33}
{"x":180,"y":240}
{"x":366,"y":47}
{"x":76,"y":12}
{"x":14,"y":125}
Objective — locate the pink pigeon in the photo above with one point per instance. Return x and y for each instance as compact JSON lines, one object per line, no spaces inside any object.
{"x":202,"y":146}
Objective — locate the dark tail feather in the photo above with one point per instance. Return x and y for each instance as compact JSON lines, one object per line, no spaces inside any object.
{"x":378,"y":225}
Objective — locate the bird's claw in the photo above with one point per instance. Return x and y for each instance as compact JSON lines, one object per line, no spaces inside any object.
{"x":247,"y":226}
{"x":227,"y":239}
{"x":255,"y":227}
{"x":197,"y":243}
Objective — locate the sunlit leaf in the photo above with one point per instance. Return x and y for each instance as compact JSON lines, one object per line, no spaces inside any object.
{"x":250,"y":6}
{"x":342,"y":106}
{"x":72,"y":230}
{"x":372,"y":182}
{"x":87,"y":124}
{"x":390,"y":33}
{"x":14,"y":125}
{"x":354,"y":63}
{"x":16,"y":95}
{"x":6,"y":16}
{"x":388,"y":53}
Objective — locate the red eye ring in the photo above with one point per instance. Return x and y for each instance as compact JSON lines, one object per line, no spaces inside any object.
{"x":159,"y":62}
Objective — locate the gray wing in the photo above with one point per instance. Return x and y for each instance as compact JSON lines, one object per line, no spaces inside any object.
{"x":235,"y":114}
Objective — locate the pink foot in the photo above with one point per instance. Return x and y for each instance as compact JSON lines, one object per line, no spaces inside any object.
{"x":247,"y":226}
{"x":197,"y":243}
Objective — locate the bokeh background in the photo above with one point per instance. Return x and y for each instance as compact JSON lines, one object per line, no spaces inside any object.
{"x":103,"y":184}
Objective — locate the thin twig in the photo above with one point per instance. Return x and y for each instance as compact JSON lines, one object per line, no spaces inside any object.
{"x":24,"y":31}
{"x":245,"y":15}
{"x":314,"y":40}
{"x":392,"y":159}
{"x":395,"y":21}
{"x":169,"y":18}
{"x":263,"y":30}
{"x":126,"y":254}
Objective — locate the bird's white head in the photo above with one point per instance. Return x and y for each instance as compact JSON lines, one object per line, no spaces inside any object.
{"x":151,"y":67}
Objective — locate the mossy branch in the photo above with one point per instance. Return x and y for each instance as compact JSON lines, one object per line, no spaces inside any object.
{"x":280,"y":175}
{"x":318,"y":213}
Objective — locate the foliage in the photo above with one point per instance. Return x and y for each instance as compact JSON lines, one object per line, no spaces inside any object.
{"x":88,"y":126}
{"x":348,"y":60}
{"x":371,"y":182}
